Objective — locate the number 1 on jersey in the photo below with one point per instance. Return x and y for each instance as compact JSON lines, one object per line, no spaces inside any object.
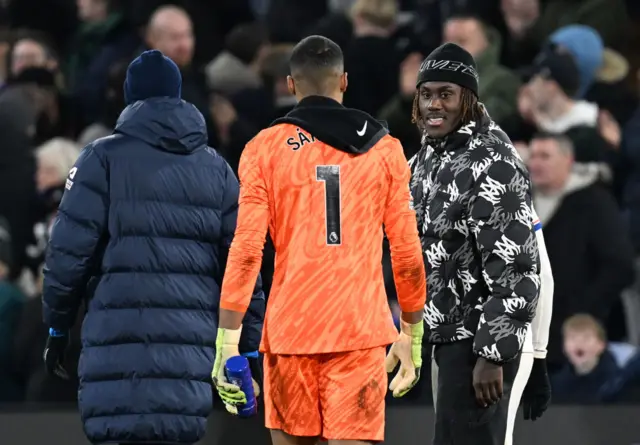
{"x":330,"y":175}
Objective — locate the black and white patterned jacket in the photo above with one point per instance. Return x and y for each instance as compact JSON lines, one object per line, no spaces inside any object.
{"x":472,"y":197}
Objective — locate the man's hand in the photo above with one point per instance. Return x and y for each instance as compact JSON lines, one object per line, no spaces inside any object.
{"x":54,"y":352}
{"x":487,"y":382}
{"x":609,"y":129}
{"x":226,"y":347}
{"x":408,"y":351}
{"x":525,"y":103}
{"x":537,"y":393}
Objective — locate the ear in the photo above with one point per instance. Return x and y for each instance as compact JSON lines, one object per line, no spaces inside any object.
{"x":601,"y":347}
{"x":571,"y":159}
{"x":291,"y":85}
{"x":344,"y":82}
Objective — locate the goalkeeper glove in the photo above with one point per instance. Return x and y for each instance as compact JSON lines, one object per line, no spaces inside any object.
{"x":408,"y":351}
{"x":232,"y":396}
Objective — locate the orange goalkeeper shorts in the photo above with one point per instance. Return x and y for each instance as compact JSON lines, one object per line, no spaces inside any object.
{"x":336,"y":396}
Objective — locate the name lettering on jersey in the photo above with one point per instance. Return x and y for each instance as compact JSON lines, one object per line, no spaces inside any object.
{"x":299,"y":140}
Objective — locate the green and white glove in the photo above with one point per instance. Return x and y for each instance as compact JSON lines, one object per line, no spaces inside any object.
{"x":408,"y":351}
{"x":226,"y":347}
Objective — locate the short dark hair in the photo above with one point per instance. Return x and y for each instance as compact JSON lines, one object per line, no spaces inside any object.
{"x":314,"y":60}
{"x":244,"y":41}
{"x":467,"y":15}
{"x":564,"y":142}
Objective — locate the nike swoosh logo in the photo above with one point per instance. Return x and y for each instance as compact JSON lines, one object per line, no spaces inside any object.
{"x":364,"y":129}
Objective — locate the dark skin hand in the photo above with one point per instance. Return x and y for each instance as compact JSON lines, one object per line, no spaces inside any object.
{"x":487,"y":382}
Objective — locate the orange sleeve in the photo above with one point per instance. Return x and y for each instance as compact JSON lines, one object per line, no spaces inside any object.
{"x":401,"y":228}
{"x":245,"y":254}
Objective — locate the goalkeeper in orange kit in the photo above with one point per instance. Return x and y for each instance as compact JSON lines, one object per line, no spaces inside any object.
{"x":324,"y":180}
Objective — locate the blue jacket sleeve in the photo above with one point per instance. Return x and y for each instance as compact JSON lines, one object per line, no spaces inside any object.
{"x":79,"y":226}
{"x":254,"y":317}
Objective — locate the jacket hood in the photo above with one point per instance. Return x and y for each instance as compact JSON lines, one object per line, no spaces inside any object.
{"x":581,"y":114}
{"x":169,"y":124}
{"x":345,"y":129}
{"x":583,"y":176}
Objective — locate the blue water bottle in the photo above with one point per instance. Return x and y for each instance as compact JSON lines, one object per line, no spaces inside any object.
{"x":238,"y":372}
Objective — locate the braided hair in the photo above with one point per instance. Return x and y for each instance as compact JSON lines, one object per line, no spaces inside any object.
{"x":470,"y":108}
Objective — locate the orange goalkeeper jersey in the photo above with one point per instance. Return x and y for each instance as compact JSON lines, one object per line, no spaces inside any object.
{"x":325,"y":211}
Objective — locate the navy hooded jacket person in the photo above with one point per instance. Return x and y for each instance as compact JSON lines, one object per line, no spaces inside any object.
{"x":143,"y":233}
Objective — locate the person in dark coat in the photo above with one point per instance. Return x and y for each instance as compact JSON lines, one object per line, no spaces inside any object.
{"x":143,"y":233}
{"x":589,"y":249}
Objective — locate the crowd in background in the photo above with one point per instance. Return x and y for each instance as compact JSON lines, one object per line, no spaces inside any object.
{"x":576,"y":123}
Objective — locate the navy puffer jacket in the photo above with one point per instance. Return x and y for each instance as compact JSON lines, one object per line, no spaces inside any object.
{"x":143,"y":233}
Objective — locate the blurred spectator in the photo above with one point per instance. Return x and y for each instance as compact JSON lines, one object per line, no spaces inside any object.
{"x":238,"y":66}
{"x":371,"y":59}
{"x":170,"y":31}
{"x":288,"y":20}
{"x":31,"y":50}
{"x":397,"y":112}
{"x":275,"y":69}
{"x":602,"y":70}
{"x":113,"y":106}
{"x":336,"y":25}
{"x":212,"y":22}
{"x":11,"y":302}
{"x":531,"y":22}
{"x":631,"y":160}
{"x":547,"y":102}
{"x":103,"y":38}
{"x":5,"y":47}
{"x":56,"y":18}
{"x":18,"y":118}
{"x":596,"y":371}
{"x":431,"y":16}
{"x":50,"y":110}
{"x":233,"y":132}
{"x":499,"y":87}
{"x":54,"y":159}
{"x":235,"y":75}
{"x":589,"y":250}
{"x":631,"y":306}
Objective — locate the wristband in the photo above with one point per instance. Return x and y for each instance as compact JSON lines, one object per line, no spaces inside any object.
{"x":54,"y":333}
